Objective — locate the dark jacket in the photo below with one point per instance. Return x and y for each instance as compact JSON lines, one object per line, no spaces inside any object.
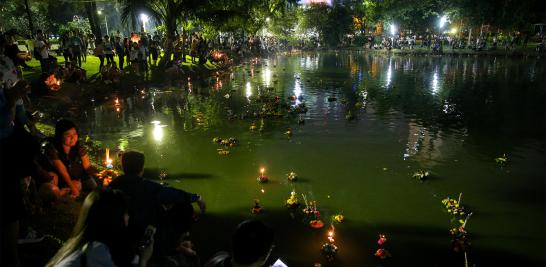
{"x":151,"y":203}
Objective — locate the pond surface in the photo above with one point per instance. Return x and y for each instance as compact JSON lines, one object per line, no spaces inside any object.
{"x":451,"y":116}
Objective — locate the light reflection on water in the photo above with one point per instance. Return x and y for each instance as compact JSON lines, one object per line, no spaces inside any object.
{"x":449,"y":115}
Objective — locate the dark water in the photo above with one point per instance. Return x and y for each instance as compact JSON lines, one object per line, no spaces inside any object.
{"x":451,"y":116}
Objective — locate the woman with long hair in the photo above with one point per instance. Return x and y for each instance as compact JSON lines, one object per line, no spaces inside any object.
{"x":69,"y":159}
{"x":100,"y":236}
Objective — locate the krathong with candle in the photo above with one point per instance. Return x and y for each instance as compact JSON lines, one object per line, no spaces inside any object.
{"x":53,"y":83}
{"x":106,"y":176}
{"x":316,"y":223}
{"x":262,"y":178}
{"x":253,"y":127}
{"x":329,"y":249}
{"x":307,"y":210}
{"x":381,"y":252}
{"x":292,"y":176}
{"x":257,"y":209}
{"x":292,"y":202}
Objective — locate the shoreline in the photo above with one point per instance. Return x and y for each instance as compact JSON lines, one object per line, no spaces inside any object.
{"x":519,"y":52}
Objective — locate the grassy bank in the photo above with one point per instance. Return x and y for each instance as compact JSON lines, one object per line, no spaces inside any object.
{"x":91,"y":65}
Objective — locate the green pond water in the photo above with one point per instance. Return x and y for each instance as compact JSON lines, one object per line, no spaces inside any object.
{"x":451,"y":116}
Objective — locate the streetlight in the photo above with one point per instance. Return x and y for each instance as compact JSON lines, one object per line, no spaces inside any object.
{"x":105,"y":20}
{"x":443,"y":21}
{"x":144,"y":19}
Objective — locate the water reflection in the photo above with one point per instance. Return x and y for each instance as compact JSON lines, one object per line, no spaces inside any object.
{"x":248,"y":91}
{"x":388,"y":78}
{"x":157,"y":131}
{"x":267,"y":76}
{"x":434,"y":85}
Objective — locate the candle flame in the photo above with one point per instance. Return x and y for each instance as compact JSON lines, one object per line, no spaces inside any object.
{"x":53,"y":83}
{"x":262,"y":170}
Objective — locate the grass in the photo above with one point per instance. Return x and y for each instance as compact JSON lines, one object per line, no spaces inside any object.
{"x":92,"y":66}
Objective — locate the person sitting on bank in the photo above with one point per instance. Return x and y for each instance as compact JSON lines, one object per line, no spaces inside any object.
{"x":252,"y":244}
{"x":100,"y":237}
{"x":69,"y":160}
{"x":169,"y":209}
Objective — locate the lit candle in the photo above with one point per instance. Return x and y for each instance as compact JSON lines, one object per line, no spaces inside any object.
{"x":331,"y":235}
{"x":262,"y":170}
{"x":108,"y":159}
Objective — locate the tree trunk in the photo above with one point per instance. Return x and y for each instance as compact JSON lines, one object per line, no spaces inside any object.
{"x":170,"y":27}
{"x":30,"y":24}
{"x":91,"y":10}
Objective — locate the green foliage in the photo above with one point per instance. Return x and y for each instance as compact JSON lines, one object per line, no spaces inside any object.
{"x":81,"y":26}
{"x":161,"y":29}
{"x":14,"y":16}
{"x":331,"y":23}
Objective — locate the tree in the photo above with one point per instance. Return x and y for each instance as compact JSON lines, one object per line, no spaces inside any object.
{"x":331,"y":23}
{"x":91,"y":11}
{"x":166,"y":12}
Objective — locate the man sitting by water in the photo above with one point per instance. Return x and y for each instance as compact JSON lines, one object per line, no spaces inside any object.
{"x":168,"y":209}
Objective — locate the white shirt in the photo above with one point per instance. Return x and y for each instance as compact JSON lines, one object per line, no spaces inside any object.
{"x":98,"y":255}
{"x":44,"y":53}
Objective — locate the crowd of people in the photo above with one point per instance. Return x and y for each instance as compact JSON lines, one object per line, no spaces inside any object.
{"x":437,"y":42}
{"x":115,"y":222}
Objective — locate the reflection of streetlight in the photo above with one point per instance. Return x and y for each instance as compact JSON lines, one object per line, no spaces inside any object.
{"x":158,"y":131}
{"x":144,"y":19}
{"x":105,"y":20}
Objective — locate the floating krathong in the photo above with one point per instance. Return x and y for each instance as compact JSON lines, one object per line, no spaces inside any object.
{"x":292,"y":202}
{"x":106,"y":175}
{"x":339,"y":218}
{"x":292,"y":176}
{"x":316,"y":224}
{"x":421,"y":175}
{"x":329,"y":249}
{"x":454,"y":206}
{"x":257,"y":209}
{"x":502,"y":160}
{"x":288,"y":132}
{"x":382,"y":253}
{"x":382,"y":239}
{"x":262,"y":178}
